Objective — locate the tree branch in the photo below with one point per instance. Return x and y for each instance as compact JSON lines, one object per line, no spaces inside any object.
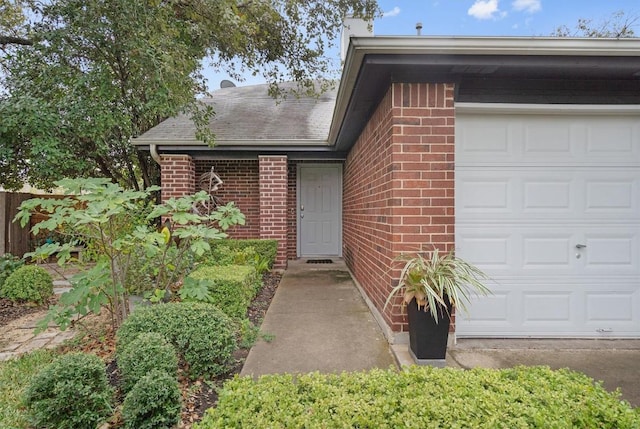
{"x":11,"y":40}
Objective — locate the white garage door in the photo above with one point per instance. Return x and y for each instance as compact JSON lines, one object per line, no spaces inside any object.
{"x":548,"y":204}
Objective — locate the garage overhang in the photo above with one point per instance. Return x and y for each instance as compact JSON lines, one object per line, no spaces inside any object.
{"x":486,"y":70}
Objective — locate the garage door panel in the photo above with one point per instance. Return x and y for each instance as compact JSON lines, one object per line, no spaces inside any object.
{"x":548,"y":206}
{"x":612,"y":308}
{"x":546,"y":307}
{"x":554,"y":140}
{"x":615,"y":249}
{"x":615,"y":194}
{"x":551,"y":252}
{"x":526,"y":250}
{"x":545,"y":195}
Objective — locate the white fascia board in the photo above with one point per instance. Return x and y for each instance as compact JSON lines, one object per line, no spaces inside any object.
{"x":499,"y":46}
{"x":544,"y":109}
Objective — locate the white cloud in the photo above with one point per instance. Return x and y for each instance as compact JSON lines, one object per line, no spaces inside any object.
{"x":485,"y":9}
{"x":393,"y":12}
{"x":529,"y":6}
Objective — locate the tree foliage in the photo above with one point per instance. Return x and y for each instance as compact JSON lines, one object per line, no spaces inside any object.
{"x":618,"y":25}
{"x":99,"y":72}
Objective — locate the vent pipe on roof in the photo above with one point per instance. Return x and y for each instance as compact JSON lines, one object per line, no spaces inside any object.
{"x":353,"y":27}
{"x":419,"y":28}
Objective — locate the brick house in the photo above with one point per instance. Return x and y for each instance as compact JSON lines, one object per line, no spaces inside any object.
{"x":523,"y":154}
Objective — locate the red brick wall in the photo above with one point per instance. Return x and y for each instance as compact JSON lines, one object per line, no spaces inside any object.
{"x":398,"y":188}
{"x":177,"y":175}
{"x":241,"y":184}
{"x":273,"y":203}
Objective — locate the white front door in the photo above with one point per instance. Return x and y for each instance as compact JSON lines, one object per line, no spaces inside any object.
{"x":549,"y":206}
{"x":319,"y":210}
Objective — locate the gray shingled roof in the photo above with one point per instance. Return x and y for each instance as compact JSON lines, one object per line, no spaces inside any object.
{"x":249,"y":116}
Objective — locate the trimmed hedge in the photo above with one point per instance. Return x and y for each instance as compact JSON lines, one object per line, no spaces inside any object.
{"x":70,"y":393}
{"x":149,"y":351}
{"x":201,"y":333}
{"x":231,"y":287}
{"x":422,"y":397}
{"x":29,"y":283}
{"x":265,"y":248}
{"x":153,"y":403}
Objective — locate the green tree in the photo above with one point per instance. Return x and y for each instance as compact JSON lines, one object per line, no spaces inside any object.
{"x":117,"y":225}
{"x":99,"y":72}
{"x":618,"y":25}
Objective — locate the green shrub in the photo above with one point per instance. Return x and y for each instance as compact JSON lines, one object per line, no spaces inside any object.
{"x":15,"y":375}
{"x":231,"y":288}
{"x":153,"y":403}
{"x":8,"y":264}
{"x":72,"y":392}
{"x":201,"y":333}
{"x":267,"y":249}
{"x":148,"y":351}
{"x":28,"y":283}
{"x":422,"y":397}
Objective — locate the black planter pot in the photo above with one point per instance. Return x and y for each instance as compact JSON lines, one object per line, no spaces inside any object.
{"x":428,"y":339}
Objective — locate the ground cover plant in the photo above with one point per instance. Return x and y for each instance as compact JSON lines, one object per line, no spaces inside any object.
{"x":422,"y":397}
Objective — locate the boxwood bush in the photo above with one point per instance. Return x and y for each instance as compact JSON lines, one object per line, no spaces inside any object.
{"x":8,"y":264}
{"x":149,"y":351}
{"x":202,"y":334}
{"x":153,"y":403}
{"x":231,"y":288}
{"x":29,"y":283}
{"x":70,"y":393}
{"x":422,"y":397}
{"x":267,"y":249}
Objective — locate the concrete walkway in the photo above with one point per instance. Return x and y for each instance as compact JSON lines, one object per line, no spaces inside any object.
{"x":319,"y":322}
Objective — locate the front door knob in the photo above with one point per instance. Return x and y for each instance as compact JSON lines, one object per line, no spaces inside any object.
{"x":580,"y":246}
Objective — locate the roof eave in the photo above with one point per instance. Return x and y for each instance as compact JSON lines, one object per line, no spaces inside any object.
{"x":359,"y":47}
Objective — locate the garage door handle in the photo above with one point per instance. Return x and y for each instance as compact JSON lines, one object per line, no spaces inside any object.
{"x":580,"y":246}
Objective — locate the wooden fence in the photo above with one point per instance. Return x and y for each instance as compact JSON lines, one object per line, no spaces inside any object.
{"x":13,"y":238}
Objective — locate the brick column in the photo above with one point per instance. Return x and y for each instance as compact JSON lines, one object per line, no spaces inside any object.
{"x":423,"y":150}
{"x":177,"y":176}
{"x":273,"y":203}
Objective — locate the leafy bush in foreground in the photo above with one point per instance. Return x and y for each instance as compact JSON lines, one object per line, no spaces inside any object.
{"x":201,"y":333}
{"x":422,"y":397}
{"x":28,"y":283}
{"x":153,"y":403}
{"x":70,"y":393}
{"x":149,"y":351}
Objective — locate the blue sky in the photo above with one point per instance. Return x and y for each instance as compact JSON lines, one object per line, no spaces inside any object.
{"x":482,"y":18}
